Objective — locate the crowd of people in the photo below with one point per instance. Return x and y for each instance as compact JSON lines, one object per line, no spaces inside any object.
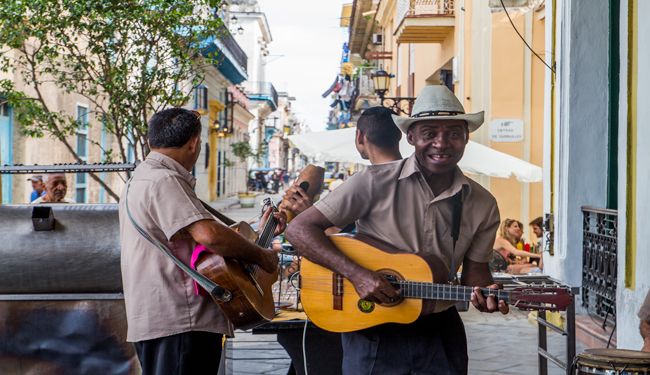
{"x":269,"y":181}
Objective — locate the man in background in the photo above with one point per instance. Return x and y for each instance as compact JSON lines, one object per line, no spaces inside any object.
{"x":38,"y":188}
{"x":537,"y":225}
{"x":377,"y":140}
{"x":56,"y":187}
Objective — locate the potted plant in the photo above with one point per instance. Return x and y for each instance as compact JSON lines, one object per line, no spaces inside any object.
{"x":243,"y":151}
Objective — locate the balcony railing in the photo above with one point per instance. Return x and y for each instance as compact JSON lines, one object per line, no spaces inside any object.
{"x":424,"y":8}
{"x":599,"y":261}
{"x":233,"y":47}
{"x":424,"y":21}
{"x":262,"y":91}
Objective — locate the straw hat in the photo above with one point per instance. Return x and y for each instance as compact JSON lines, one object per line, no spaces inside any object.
{"x":437,"y":102}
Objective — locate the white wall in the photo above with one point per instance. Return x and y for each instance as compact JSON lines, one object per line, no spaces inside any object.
{"x":581,"y":129}
{"x":628,"y":301}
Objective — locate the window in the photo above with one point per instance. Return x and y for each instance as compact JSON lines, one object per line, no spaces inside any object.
{"x":4,"y":109}
{"x":81,"y":183}
{"x":102,"y":143}
{"x":200,"y":97}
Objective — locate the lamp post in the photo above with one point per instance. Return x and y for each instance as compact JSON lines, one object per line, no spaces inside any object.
{"x":381,"y":80}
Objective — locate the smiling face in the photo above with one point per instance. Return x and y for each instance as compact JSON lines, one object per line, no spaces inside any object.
{"x":439,"y":145}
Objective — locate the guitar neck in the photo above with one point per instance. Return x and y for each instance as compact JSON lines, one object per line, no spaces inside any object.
{"x":447,"y":292}
{"x":266,"y":237}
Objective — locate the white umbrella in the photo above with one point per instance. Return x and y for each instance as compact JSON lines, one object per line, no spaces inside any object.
{"x":338,"y":146}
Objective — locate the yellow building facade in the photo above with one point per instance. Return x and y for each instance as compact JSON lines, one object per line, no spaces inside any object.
{"x":474,"y":50}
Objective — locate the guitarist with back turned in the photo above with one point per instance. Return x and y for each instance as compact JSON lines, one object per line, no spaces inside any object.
{"x":175,"y":331}
{"x":411,"y":204}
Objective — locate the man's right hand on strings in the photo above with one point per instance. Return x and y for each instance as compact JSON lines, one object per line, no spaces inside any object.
{"x":373,"y":287}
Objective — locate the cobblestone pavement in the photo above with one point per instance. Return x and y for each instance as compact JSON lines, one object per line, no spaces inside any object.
{"x":497,"y":344}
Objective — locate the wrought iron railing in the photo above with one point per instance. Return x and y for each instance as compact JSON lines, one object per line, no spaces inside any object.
{"x":599,"y":261}
{"x":431,"y":7}
{"x":423,"y":8}
{"x":261,"y":91}
{"x":233,"y":47}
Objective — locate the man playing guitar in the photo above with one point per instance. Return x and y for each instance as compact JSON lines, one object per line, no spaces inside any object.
{"x":175,"y":331}
{"x":410,"y":204}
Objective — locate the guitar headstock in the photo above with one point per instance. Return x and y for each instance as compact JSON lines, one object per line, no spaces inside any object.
{"x":268,"y":202}
{"x":541,"y":298}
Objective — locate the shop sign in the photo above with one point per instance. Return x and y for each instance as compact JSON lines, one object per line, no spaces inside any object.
{"x":507,"y":130}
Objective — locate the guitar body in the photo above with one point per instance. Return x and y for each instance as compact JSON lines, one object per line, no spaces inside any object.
{"x":346,"y":313}
{"x":248,"y":307}
{"x":252,"y":301}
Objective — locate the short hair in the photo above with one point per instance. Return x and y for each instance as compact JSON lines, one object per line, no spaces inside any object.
{"x":377,"y":124}
{"x":173,"y":127}
{"x":537,"y":221}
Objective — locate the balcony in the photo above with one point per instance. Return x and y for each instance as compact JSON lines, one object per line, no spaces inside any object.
{"x":231,"y":60}
{"x":262,"y":91}
{"x":424,"y":21}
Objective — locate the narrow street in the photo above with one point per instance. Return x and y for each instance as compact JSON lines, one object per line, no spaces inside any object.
{"x":497,"y":344}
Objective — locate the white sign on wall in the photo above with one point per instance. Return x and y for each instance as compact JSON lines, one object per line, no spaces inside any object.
{"x":507,"y":130}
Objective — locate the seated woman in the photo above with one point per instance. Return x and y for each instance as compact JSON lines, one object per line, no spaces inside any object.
{"x":505,"y":250}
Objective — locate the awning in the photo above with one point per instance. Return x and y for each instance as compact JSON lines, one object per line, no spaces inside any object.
{"x":338,"y":146}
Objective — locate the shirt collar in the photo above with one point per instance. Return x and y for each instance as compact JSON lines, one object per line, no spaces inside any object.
{"x":461,"y":181}
{"x":173,"y":165}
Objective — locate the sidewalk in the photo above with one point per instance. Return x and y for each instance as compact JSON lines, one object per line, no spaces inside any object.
{"x":224,"y":204}
{"x":497,"y":344}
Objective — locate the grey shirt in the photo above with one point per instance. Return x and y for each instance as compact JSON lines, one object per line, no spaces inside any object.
{"x":159,"y":296}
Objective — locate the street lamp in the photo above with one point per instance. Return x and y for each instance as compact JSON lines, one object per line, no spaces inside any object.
{"x":381,"y":80}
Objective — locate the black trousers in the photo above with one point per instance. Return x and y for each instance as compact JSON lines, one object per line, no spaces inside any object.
{"x":434,"y":345}
{"x":186,"y":353}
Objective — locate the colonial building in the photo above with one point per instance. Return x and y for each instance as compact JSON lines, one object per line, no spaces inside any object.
{"x":225,"y":120}
{"x":254,"y":36}
{"x":471,"y":47}
{"x":90,"y":142}
{"x":596,"y":183}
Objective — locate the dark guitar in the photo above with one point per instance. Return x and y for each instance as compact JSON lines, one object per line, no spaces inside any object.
{"x":331,"y":302}
{"x":251,"y":302}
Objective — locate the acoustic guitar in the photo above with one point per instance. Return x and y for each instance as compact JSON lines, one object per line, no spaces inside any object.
{"x":331,"y":302}
{"x":251,"y":299}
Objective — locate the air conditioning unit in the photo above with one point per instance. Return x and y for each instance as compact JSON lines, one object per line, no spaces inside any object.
{"x":377,"y":38}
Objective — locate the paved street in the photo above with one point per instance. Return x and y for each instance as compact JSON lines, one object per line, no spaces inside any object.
{"x":497,"y":344}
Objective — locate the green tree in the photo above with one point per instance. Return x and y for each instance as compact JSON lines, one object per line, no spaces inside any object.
{"x":128,"y":58}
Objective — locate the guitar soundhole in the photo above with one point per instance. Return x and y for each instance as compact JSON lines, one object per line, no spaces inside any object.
{"x":393,"y":277}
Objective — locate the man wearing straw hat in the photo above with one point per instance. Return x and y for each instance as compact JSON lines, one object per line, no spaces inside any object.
{"x":410,"y":204}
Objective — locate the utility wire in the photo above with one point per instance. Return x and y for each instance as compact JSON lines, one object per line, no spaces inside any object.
{"x":524,"y":40}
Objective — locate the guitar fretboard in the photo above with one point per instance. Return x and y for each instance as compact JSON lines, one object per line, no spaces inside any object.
{"x":266,"y":237}
{"x":424,"y":290}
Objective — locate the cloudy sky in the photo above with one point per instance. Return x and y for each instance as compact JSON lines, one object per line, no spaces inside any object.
{"x":307,"y":34}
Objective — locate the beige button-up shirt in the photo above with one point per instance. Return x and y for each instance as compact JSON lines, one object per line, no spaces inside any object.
{"x":393,"y":203}
{"x":159,"y":296}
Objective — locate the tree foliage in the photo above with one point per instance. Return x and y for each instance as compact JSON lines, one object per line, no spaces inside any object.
{"x":127,"y":58}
